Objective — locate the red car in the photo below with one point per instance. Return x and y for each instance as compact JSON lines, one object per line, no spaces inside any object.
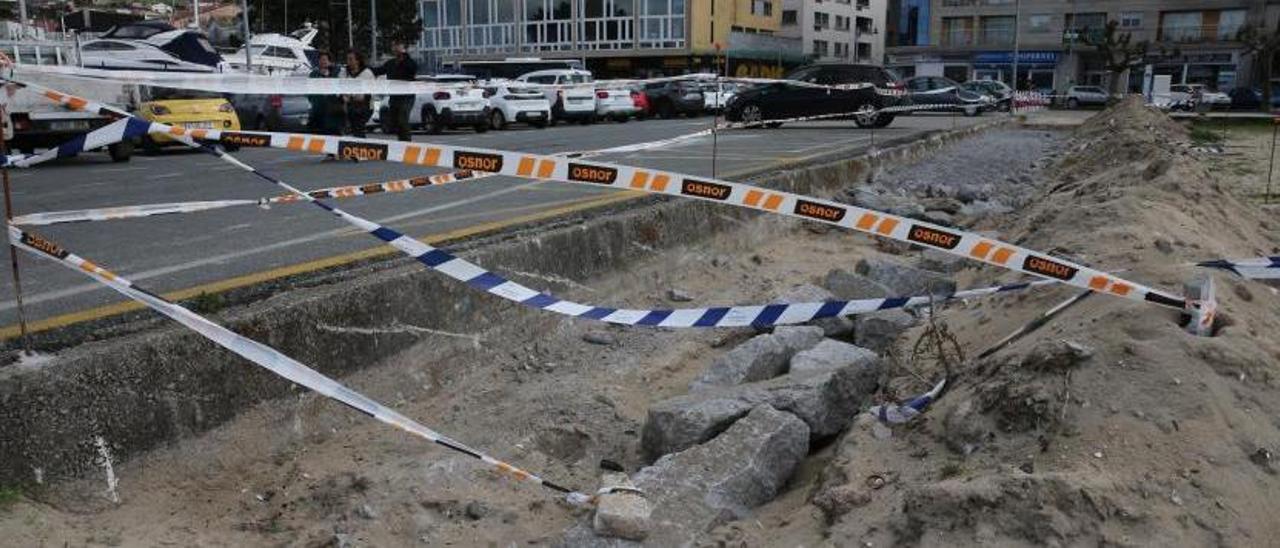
{"x":641,"y":100}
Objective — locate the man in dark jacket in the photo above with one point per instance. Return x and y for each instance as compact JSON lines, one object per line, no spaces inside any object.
{"x":400,"y":67}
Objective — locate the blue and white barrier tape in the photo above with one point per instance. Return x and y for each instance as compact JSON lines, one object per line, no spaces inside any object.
{"x":1259,"y":268}
{"x":271,"y":359}
{"x":534,"y":166}
{"x":903,"y":412}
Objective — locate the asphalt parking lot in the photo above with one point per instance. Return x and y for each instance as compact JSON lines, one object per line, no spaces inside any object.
{"x":184,"y":255}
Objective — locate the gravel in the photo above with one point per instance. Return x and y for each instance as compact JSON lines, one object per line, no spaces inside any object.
{"x":996,"y":166}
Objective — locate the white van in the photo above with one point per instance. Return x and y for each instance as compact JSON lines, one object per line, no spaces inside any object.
{"x":571,"y":93}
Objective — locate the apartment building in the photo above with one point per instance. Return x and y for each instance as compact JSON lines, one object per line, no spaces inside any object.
{"x":1192,"y":40}
{"x":837,"y":30}
{"x":614,"y":37}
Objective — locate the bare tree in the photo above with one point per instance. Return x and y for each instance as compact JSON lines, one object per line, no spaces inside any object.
{"x":1263,"y":44}
{"x":1119,"y":52}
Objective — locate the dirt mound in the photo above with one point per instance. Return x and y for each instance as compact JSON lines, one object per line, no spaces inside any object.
{"x":1127,"y":132}
{"x":1111,"y":425}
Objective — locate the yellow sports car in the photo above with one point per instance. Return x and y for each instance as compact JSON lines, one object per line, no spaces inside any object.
{"x":192,"y":110}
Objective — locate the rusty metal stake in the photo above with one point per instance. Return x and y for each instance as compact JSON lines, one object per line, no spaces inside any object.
{"x":13,"y":251}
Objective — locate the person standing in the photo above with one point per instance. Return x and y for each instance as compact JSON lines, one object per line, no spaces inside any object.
{"x":400,"y":67}
{"x":326,"y":116}
{"x":359,"y":108}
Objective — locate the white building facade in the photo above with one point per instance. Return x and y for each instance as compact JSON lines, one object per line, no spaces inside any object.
{"x":851,"y":31}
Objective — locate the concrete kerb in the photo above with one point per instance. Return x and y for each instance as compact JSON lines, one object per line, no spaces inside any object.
{"x":140,"y":390}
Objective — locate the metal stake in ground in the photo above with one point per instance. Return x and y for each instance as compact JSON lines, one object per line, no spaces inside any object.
{"x":1275,"y":127}
{"x":8,"y":215}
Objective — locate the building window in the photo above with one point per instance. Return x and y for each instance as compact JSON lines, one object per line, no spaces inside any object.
{"x":820,"y":48}
{"x":762,"y":7}
{"x":1091,"y":21}
{"x":788,"y":17}
{"x":997,"y":31}
{"x":441,"y":28}
{"x":1130,"y":19}
{"x":1039,"y":23}
{"x":1186,"y":26}
{"x":661,"y":23}
{"x":1229,"y":24}
{"x":491,"y":26}
{"x":821,"y":20}
{"x":957,"y":31}
{"x":606,"y":24}
{"x":547,"y":26}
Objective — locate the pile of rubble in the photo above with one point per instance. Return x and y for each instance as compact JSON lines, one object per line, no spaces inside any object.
{"x":757,"y":411}
{"x":1111,"y":425}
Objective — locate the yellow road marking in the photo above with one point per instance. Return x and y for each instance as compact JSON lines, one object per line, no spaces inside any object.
{"x":89,"y":314}
{"x":12,"y":330}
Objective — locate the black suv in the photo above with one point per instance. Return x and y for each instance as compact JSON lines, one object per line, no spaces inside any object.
{"x":775,"y":101}
{"x":669,"y":99}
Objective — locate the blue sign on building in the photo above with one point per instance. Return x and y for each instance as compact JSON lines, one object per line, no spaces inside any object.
{"x":1024,"y":58}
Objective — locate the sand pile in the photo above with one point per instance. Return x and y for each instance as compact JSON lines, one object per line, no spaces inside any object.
{"x":1109,"y":426}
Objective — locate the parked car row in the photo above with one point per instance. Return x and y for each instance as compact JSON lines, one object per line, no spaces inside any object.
{"x":547,"y":97}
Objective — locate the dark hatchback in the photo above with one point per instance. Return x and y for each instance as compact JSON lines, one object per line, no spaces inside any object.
{"x":272,"y":112}
{"x":672,"y":98}
{"x":782,"y":100}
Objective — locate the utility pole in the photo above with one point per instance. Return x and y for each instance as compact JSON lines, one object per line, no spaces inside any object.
{"x":1017,"y":17}
{"x":195,"y":9}
{"x":248,"y":51}
{"x":286,"y":16}
{"x":22,"y":17}
{"x":351,"y":33}
{"x":373,"y":30}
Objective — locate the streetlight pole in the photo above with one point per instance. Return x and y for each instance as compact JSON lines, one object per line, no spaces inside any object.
{"x":351,"y":33}
{"x":195,"y":12}
{"x":1017,"y":16}
{"x":248,"y":51}
{"x":373,"y":29}
{"x":22,"y":17}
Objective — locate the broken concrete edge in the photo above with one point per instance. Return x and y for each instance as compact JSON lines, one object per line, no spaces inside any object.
{"x":624,"y":512}
{"x":722,"y":479}
{"x":162,"y":383}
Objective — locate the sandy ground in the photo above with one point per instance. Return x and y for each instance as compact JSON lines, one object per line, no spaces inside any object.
{"x":304,"y":471}
{"x":1157,"y":437}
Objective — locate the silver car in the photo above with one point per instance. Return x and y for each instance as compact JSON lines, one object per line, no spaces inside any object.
{"x":1078,"y":96}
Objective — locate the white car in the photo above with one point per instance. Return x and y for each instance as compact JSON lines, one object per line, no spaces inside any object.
{"x":1184,"y":94}
{"x":616,"y":103}
{"x":458,"y":102}
{"x":509,"y":103}
{"x":569,"y":91}
{"x":1078,"y":96}
{"x":715,"y":96}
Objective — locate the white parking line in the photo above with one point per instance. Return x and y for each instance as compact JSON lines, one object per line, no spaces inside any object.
{"x":165,"y":175}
